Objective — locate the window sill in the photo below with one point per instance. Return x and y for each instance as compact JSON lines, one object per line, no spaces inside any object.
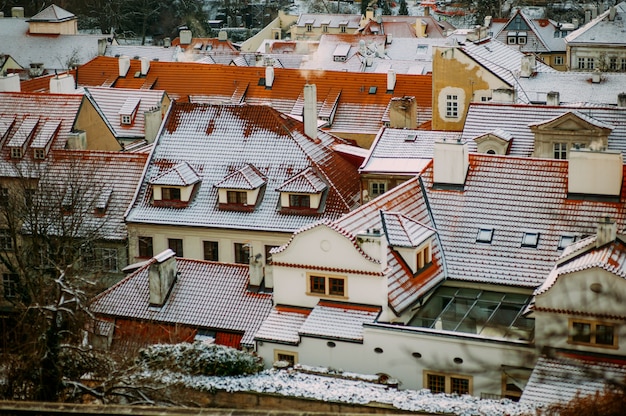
{"x":322,"y":295}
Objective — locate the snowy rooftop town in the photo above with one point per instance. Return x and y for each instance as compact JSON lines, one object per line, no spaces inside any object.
{"x":401,"y":206}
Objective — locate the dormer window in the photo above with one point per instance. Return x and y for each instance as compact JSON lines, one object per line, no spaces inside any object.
{"x":174,"y":188}
{"x":241,"y":190}
{"x":424,"y":257}
{"x":530,"y":239}
{"x":129,"y":111}
{"x":411,"y":239}
{"x":16,"y":153}
{"x":102,"y":202}
{"x":484,"y":235}
{"x":303,"y":193}
{"x":40,"y":154}
{"x":566,"y":240}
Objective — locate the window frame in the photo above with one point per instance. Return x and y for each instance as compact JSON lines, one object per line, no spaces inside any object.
{"x":325,"y":285}
{"x":109,"y":259}
{"x":377,"y":188}
{"x":581,"y":62}
{"x":241,"y":249}
{"x":9,"y":285}
{"x":176,"y":243}
{"x":268,"y":255}
{"x":593,"y":330}
{"x":558,"y":60}
{"x":559,"y":150}
{"x":236,"y":197}
{"x":285,"y":353}
{"x":530,"y":239}
{"x":485,"y":235}
{"x":145,"y":245}
{"x":170,"y":193}
{"x":6,"y":240}
{"x":448,"y":379}
{"x":39,"y":154}
{"x":299,"y":201}
{"x":212,"y":248}
{"x":16,"y":153}
{"x":452,"y":105}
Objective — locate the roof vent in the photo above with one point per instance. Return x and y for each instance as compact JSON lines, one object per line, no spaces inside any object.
{"x":596,"y":76}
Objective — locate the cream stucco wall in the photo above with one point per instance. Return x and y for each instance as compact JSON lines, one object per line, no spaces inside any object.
{"x":69,"y":27}
{"x":99,"y":136}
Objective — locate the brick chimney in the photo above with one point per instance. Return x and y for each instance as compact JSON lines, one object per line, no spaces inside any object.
{"x":310,"y":111}
{"x":162,"y":276}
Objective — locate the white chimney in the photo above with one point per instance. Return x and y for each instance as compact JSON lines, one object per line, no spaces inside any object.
{"x":612,"y":12}
{"x":553,"y":98}
{"x":167,"y":42}
{"x":503,"y":95}
{"x":76,"y":140}
{"x":17,"y":12}
{"x":152,"y":123}
{"x":269,"y":76}
{"x":487,"y":21}
{"x":596,"y":76}
{"x":162,"y":276}
{"x":374,"y":244}
{"x":594,"y":172}
{"x":310,"y":111}
{"x":391,"y":80}
{"x":621,"y":100}
{"x":256,"y":269}
{"x":607,"y":231}
{"x":185,"y":36}
{"x":124,"y":65}
{"x":222,"y":35}
{"x":450,"y":162}
{"x":10,"y":83}
{"x":62,"y":84}
{"x":145,"y":65}
{"x":527,"y":66}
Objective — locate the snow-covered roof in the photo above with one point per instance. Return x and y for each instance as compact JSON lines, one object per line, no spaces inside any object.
{"x":180,"y":175}
{"x":217,"y":141}
{"x":282,"y":324}
{"x":402,"y":231}
{"x":559,"y":379}
{"x":52,"y":13}
{"x":306,"y":181}
{"x":602,"y":30}
{"x":248,"y":177}
{"x":337,"y":320}
{"x":206,"y":295}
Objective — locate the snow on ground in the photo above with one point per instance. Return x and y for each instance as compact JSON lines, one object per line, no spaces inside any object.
{"x":296,"y":384}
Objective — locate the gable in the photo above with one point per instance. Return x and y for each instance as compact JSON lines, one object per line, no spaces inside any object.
{"x":573,"y":121}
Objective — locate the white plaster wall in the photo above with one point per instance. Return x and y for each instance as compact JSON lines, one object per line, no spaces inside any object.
{"x":598,"y":173}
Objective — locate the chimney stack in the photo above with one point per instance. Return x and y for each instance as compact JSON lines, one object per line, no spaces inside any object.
{"x":403,"y":113}
{"x":152,"y":123}
{"x":594,"y":172}
{"x":621,"y":100}
{"x":162,"y":276}
{"x":503,"y":95}
{"x":450,"y":162}
{"x":596,"y":76}
{"x":607,"y":231}
{"x":527,"y":66}
{"x":553,"y":98}
{"x":373,"y":243}
{"x":124,"y":65}
{"x":145,"y":66}
{"x":310,"y":111}
{"x":269,"y":76}
{"x":62,"y":84}
{"x":391,"y":80}
{"x":10,"y":83}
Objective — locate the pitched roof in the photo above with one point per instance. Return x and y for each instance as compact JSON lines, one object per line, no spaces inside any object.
{"x":402,"y":231}
{"x":306,"y":181}
{"x":338,"y":320}
{"x":282,"y":324}
{"x":111,"y":102}
{"x":601,"y":30}
{"x":248,"y":177}
{"x":402,"y":151}
{"x":360,"y":108}
{"x":516,"y":120}
{"x":52,"y":13}
{"x":559,"y":379}
{"x":180,"y":175}
{"x":220,"y":140}
{"x":206,"y":295}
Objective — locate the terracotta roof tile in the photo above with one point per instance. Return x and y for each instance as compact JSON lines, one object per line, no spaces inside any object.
{"x":282,"y":324}
{"x":338,"y":321}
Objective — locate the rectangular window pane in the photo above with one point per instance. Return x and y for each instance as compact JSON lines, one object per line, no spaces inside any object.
{"x":109,"y":260}
{"x":336,"y":286}
{"x":176,"y":244}
{"x":318,"y":284}
{"x":302,"y":201}
{"x":268,"y":255}
{"x":242,"y":253}
{"x":459,"y":385}
{"x":9,"y":283}
{"x":237,"y":197}
{"x":6,"y":242}
{"x":581,"y":332}
{"x":604,"y":335}
{"x":211,"y":250}
{"x":170,"y":194}
{"x":436,"y":383}
{"x":145,"y":247}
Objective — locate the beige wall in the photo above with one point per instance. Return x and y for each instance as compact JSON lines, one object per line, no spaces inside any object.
{"x":69,"y":27}
{"x":99,"y":137}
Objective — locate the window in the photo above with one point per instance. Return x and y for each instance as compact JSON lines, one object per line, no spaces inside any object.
{"x":327,"y":285}
{"x":287,"y":356}
{"x":623,"y":64}
{"x":377,"y":188}
{"x":309,"y":27}
{"x":109,"y":260}
{"x":126,"y":119}
{"x":530,"y":239}
{"x":521,"y":40}
{"x":6,"y":242}
{"x":325,"y":28}
{"x":242,"y":253}
{"x":558,"y":60}
{"x":590,"y":63}
{"x":170,"y":194}
{"x":176,"y":244}
{"x":560,"y":151}
{"x":211,"y":251}
{"x":9,"y":284}
{"x":29,"y":197}
{"x":40,"y":154}
{"x":613,"y":63}
{"x":444,"y":383}
{"x":565,"y":241}
{"x":484,"y":235}
{"x":268,"y":255}
{"x":343,"y":28}
{"x":598,"y":334}
{"x":299,"y":200}
{"x":452,"y":106}
{"x":511,"y":40}
{"x":4,"y":196}
{"x":16,"y":153}
{"x":237,"y":197}
{"x":581,"y":63}
{"x":145,"y":247}
{"x":424,"y":257}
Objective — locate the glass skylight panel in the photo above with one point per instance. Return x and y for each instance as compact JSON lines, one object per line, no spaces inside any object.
{"x":530,"y":239}
{"x":484,"y":235}
{"x":566,"y":240}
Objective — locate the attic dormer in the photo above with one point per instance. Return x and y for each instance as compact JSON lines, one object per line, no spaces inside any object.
{"x":18,"y":142}
{"x":102,"y":201}
{"x":43,"y":140}
{"x":175,"y":187}
{"x":496,"y":142}
{"x":409,"y":238}
{"x":554,"y":138}
{"x":128,"y":112}
{"x":303,"y":193}
{"x":241,"y":190}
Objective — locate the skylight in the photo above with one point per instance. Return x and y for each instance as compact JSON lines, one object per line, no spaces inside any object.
{"x":566,"y":240}
{"x":484,"y":235}
{"x":530,"y":239}
{"x":373,"y":90}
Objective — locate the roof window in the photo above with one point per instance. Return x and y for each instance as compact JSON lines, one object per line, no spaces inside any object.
{"x":565,"y":241}
{"x":373,"y":89}
{"x":484,"y":235}
{"x":530,"y":239}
